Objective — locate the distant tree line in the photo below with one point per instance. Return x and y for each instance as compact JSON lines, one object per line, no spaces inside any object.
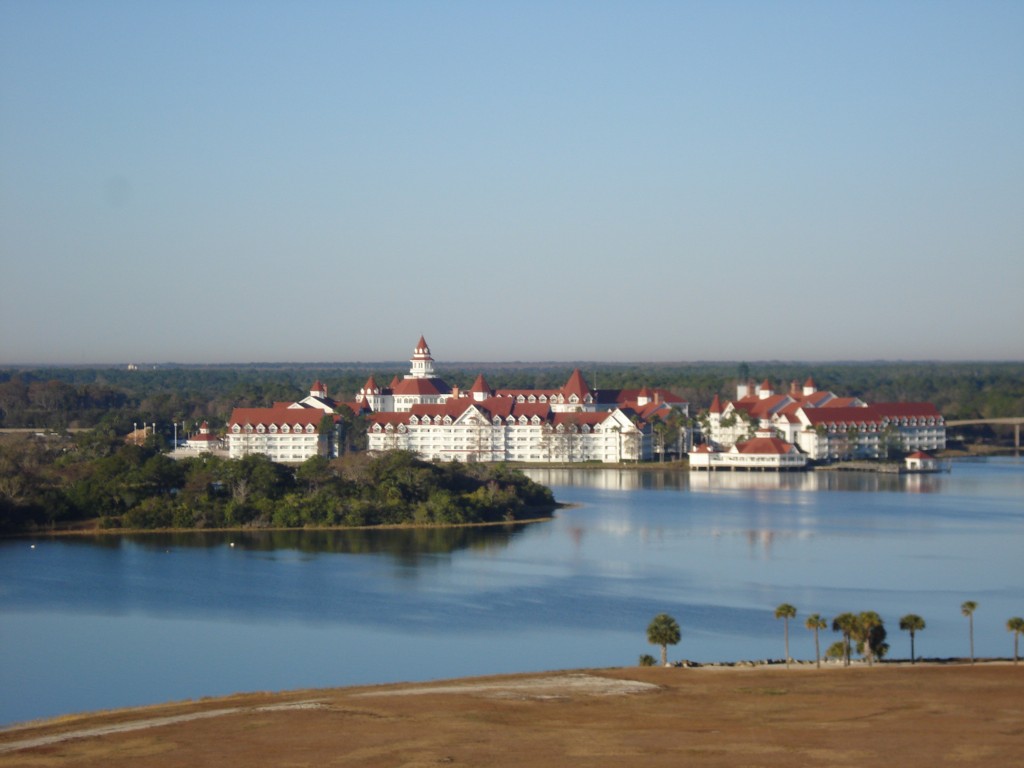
{"x":96,"y":477}
{"x":61,"y":397}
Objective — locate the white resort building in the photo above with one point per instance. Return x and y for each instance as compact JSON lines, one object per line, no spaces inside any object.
{"x":823,"y":426}
{"x":423,"y":414}
{"x":286,"y":432}
{"x":572,"y":423}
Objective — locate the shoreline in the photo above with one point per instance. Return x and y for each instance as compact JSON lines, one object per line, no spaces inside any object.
{"x":890,"y":713}
{"x":457,"y":684}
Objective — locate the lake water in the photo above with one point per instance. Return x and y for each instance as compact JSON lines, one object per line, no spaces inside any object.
{"x":97,"y":623}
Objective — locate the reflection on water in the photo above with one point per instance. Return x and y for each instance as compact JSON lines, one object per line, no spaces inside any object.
{"x":407,"y":545}
{"x":675,"y":479}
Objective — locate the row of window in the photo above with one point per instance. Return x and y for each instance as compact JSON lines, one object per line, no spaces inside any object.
{"x":273,"y":429}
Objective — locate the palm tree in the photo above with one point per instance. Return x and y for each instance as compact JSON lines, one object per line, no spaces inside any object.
{"x":847,"y":624}
{"x":664,"y":631}
{"x":1015,"y":625}
{"x":912,"y":623}
{"x":967,"y":608}
{"x":786,"y":612}
{"x":815,"y":622}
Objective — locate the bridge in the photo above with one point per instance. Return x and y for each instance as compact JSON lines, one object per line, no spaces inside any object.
{"x":1015,"y":421}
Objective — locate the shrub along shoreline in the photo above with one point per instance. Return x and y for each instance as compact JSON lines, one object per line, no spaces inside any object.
{"x":130,"y":488}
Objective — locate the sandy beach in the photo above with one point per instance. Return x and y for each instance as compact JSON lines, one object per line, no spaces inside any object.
{"x":923,"y":715}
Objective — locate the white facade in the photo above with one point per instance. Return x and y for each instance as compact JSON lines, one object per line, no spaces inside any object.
{"x":283,"y":434}
{"x":825,"y":427}
{"x":572,"y":423}
{"x":468,"y":431}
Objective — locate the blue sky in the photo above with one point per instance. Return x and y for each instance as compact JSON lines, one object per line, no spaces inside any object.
{"x":270,"y":181}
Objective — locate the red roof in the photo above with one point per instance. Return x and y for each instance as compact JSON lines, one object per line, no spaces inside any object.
{"x":418,"y":386}
{"x":480,"y":385}
{"x":277,"y":416}
{"x":765,"y":446}
{"x":716,"y":405}
{"x":921,"y":455}
{"x":907,"y":410}
{"x":370,"y":386}
{"x":576,"y":385}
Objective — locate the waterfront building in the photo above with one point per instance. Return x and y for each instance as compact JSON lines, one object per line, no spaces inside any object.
{"x":765,"y":451}
{"x":824,"y":426}
{"x":422,"y":413}
{"x":571,"y":423}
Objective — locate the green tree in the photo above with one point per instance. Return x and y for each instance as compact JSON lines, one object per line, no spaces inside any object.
{"x":847,"y":624}
{"x":815,"y":623}
{"x":912,"y":623}
{"x":870,"y":634}
{"x":664,"y":631}
{"x":785,"y":611}
{"x":1015,"y":625}
{"x":646,"y":660}
{"x":967,"y":608}
{"x":838,"y":650}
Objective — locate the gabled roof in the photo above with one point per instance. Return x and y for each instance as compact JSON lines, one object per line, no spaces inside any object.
{"x":867,"y":415}
{"x":716,"y":405}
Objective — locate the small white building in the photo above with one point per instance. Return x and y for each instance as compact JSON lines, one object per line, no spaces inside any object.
{"x":765,"y":451}
{"x":203,"y":441}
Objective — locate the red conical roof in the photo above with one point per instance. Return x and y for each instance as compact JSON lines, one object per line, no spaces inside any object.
{"x":576,"y":385}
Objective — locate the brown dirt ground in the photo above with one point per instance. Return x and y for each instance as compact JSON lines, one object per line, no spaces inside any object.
{"x":926,"y":715}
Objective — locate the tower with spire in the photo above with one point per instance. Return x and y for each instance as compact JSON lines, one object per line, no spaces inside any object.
{"x":422,"y":362}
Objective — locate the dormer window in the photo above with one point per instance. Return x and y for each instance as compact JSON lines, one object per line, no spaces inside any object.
{"x":531,"y":399}
{"x":285,"y":429}
{"x":235,"y":429}
{"x":447,"y":420}
{"x":260,"y":429}
{"x":310,"y":428}
{"x":535,"y":420}
{"x":273,"y":429}
{"x":543,"y":399}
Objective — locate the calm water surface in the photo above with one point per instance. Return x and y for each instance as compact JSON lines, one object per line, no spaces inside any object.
{"x":112,"y":622}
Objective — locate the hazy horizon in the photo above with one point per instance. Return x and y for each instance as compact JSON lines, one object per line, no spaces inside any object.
{"x":653,"y":181}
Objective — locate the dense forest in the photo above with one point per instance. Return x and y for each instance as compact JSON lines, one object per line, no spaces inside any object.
{"x":56,"y":482}
{"x":57,"y":398}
